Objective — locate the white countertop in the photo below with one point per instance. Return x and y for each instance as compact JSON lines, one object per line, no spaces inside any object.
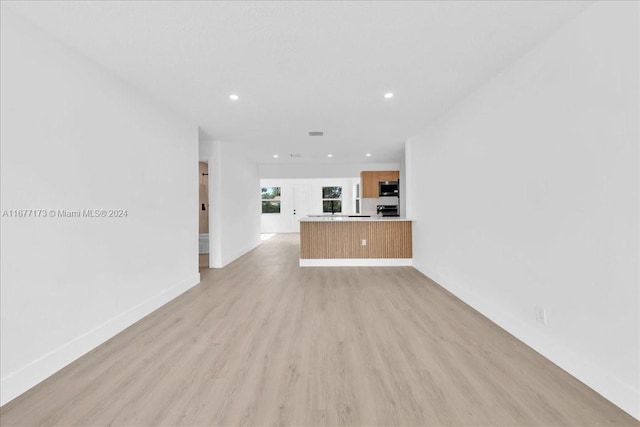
{"x":329,"y":217}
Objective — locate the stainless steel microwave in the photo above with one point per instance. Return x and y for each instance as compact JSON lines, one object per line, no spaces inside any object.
{"x":388,"y":188}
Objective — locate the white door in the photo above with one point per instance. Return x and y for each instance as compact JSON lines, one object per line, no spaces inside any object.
{"x":301,"y":204}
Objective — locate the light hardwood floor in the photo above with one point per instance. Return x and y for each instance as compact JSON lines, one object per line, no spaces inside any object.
{"x":263,"y":342}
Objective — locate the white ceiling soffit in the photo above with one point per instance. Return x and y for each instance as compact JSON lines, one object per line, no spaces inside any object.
{"x":304,"y":66}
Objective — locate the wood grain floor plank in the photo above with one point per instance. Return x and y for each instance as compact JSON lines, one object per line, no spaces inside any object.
{"x":264,"y":342}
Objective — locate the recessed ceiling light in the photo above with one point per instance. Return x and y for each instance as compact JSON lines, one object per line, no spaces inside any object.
{"x":368,"y":154}
{"x":329,"y":155}
{"x":235,"y":97}
{"x":275,"y":156}
{"x":388,"y":95}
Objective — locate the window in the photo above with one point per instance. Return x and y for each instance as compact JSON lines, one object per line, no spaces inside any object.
{"x":270,"y":200}
{"x":332,"y":199}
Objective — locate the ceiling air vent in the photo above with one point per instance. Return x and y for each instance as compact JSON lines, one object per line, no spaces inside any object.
{"x":316,"y":133}
{"x":295,"y":155}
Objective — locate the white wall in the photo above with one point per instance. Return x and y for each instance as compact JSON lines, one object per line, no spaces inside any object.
{"x":526,"y":194}
{"x":284,"y":221}
{"x":286,"y":169}
{"x":75,"y":137}
{"x":234,"y":198}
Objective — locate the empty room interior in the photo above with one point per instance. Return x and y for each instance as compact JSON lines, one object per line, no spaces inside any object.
{"x":367,"y":213}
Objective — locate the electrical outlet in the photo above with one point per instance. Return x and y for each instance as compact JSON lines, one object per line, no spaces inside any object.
{"x":541,"y":315}
{"x":364,"y":242}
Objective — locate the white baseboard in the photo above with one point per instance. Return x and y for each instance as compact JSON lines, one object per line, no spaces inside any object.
{"x":608,"y":386}
{"x":17,"y":382}
{"x":357,"y":262}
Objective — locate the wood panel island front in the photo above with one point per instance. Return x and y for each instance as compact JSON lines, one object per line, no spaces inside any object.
{"x":361,"y":241}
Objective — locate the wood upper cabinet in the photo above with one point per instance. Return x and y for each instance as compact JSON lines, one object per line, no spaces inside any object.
{"x":368,"y":184}
{"x":369,"y":181}
{"x":388,"y":175}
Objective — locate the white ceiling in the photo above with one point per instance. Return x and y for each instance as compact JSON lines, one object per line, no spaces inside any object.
{"x":304,"y":66}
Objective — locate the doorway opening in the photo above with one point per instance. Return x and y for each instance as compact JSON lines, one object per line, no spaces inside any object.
{"x":203,"y":215}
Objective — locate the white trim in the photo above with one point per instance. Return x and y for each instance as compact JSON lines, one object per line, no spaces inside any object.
{"x":608,"y":386}
{"x":36,"y":371}
{"x":357,"y":262}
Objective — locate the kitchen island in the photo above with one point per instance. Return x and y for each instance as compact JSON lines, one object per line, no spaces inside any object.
{"x":341,"y":240}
